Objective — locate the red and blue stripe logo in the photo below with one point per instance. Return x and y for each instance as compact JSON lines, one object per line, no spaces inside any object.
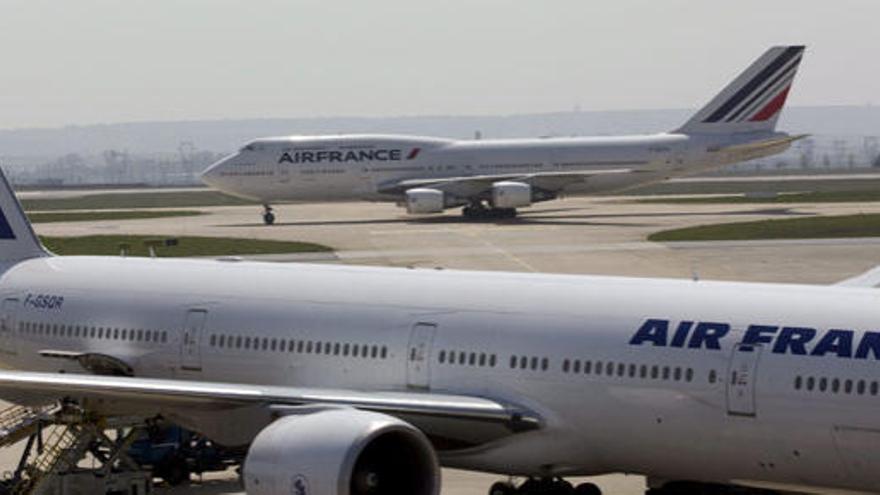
{"x":763,"y":96}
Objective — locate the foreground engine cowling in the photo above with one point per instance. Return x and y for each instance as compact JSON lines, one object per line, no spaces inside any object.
{"x":511,"y":194}
{"x":423,"y":200}
{"x":341,"y":452}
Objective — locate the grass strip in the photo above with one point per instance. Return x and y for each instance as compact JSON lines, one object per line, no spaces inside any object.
{"x":110,"y":245}
{"x":820,"y":227}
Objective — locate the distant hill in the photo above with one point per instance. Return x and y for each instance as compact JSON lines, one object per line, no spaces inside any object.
{"x":226,"y":135}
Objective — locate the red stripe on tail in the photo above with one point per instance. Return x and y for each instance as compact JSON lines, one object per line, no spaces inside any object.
{"x":771,"y":108}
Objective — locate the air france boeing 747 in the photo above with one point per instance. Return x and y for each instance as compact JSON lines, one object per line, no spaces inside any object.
{"x":494,"y":177}
{"x":347,"y":380}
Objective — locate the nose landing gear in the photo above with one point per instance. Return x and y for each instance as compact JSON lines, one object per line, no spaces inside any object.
{"x":268,"y":216}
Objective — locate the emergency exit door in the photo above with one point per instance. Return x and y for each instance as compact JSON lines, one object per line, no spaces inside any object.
{"x":7,"y":325}
{"x":741,"y":378}
{"x":418,"y":369}
{"x":190,"y":341}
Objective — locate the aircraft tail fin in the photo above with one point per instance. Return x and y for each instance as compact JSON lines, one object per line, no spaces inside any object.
{"x":754,"y":100}
{"x":18,"y":241}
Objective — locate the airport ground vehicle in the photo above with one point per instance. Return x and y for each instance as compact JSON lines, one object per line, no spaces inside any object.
{"x":173,"y":453}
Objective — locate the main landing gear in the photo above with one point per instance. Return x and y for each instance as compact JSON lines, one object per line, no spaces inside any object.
{"x":544,"y":486}
{"x":268,"y":216}
{"x":480,"y":211}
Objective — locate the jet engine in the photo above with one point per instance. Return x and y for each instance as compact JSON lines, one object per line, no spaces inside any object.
{"x":511,"y":194}
{"x":341,"y":452}
{"x":423,"y":200}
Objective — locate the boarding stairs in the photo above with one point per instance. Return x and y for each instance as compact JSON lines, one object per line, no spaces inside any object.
{"x":20,"y":422}
{"x":61,"y":450}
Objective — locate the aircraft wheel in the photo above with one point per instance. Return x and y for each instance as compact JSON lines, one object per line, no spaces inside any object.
{"x":268,"y":218}
{"x":587,"y":489}
{"x":503,"y":488}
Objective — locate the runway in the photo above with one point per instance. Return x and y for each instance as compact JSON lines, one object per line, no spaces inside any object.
{"x":574,"y":235}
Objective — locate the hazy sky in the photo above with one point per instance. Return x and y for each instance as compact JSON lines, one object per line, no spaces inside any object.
{"x":103,"y":61}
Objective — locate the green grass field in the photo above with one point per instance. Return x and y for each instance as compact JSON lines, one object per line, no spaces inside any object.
{"x":93,"y":216}
{"x":187,"y":246}
{"x":117,"y":201}
{"x":821,"y":227}
{"x":805,"y":197}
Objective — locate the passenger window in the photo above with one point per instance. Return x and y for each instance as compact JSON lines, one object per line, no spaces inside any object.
{"x":462,"y":357}
{"x":441,"y":358}
{"x":492,"y":360}
{"x":621,"y":369}
{"x":609,"y":369}
{"x":666,"y":372}
{"x":374,"y":352}
{"x":565,"y":365}
{"x":598,"y":367}
{"x":798,"y":383}
{"x":140,"y":335}
{"x":655,"y":372}
{"x":336,"y":349}
{"x":473,"y":359}
{"x":300,"y":344}
{"x":676,"y":375}
{"x":534,"y":363}
{"x":874,"y":388}
{"x":346,"y":348}
{"x":861,"y":387}
{"x":835,"y":385}
{"x":713,"y":376}
{"x":632,"y":370}
{"x":823,"y":384}
{"x":384,"y":352}
{"x":811,"y":383}
{"x":523,"y":362}
{"x":577,"y":366}
{"x":689,"y":376}
{"x":545,"y":364}
{"x":513,"y":361}
{"x":848,"y":386}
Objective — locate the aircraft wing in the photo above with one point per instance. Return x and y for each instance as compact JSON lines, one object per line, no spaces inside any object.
{"x":870,"y":278}
{"x":477,"y":185}
{"x":20,"y":386}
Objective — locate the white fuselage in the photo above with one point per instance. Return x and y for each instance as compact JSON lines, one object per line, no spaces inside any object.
{"x":367,"y":167}
{"x":589,"y":355}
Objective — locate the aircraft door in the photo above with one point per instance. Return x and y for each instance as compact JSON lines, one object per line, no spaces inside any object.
{"x":190,"y":341}
{"x":418,"y":362}
{"x":8,"y":321}
{"x":742,"y":375}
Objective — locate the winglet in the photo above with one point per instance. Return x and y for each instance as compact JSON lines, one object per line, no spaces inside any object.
{"x":754,"y":100}
{"x":17,"y":238}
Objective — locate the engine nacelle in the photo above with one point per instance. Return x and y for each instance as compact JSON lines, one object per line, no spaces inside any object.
{"x":423,"y":200}
{"x":511,"y":194}
{"x":341,"y":452}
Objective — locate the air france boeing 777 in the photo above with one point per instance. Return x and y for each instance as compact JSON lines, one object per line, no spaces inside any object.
{"x":351,"y":380}
{"x":494,"y":177}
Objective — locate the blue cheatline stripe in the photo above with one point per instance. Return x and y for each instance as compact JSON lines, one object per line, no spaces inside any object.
{"x":755,"y":83}
{"x":5,"y":229}
{"x":784,"y":74}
